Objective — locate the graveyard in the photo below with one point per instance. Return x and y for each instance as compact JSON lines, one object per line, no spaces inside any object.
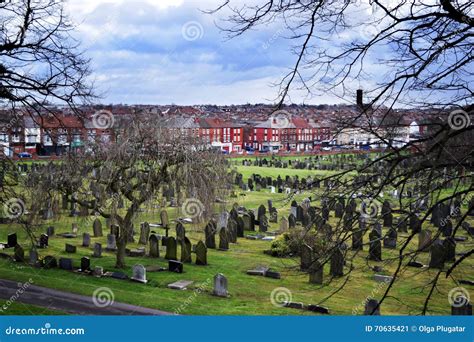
{"x":245,"y":268}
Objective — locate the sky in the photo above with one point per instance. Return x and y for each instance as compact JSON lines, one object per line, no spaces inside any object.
{"x":170,"y":52}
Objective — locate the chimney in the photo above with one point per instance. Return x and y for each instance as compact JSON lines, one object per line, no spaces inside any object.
{"x":360,"y":101}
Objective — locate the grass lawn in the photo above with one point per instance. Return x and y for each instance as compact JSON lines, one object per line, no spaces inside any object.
{"x":249,"y":295}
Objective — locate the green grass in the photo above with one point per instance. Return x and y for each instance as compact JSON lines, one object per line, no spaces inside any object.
{"x":249,"y":295}
{"x":18,"y":308}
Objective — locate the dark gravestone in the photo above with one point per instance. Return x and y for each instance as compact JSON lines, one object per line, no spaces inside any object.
{"x":248,"y":224}
{"x":424,"y":240}
{"x":154,"y":246}
{"x":50,"y":231}
{"x":372,"y":307}
{"x":85,"y":264}
{"x":43,"y":241}
{"x":97,"y":250}
{"x":316,"y":272}
{"x":12,"y":240}
{"x":33,"y":257}
{"x":338,"y":210}
{"x":111,"y":243}
{"x":171,"y":252}
{"x":65,"y":264}
{"x":19,"y":253}
{"x":86,"y":240}
{"x":375,"y":247}
{"x":240,"y":227}
{"x":263,"y":226}
{"x":70,"y":248}
{"x":402,"y":225}
{"x":232,"y":230}
{"x":223,"y":239}
{"x":210,"y":235}
{"x":261,"y":211}
{"x":437,"y":254}
{"x":180,"y":232}
{"x":358,"y":240}
{"x":175,"y":266}
{"x":306,"y":257}
{"x":115,"y":230}
{"x":291,"y":221}
{"x":337,"y":263}
{"x":201,"y":253}
{"x":390,"y":241}
{"x":144,"y":233}
{"x":186,"y":250}
{"x":415,"y":224}
{"x":50,"y":262}
{"x":450,"y":249}
{"x":97,"y":228}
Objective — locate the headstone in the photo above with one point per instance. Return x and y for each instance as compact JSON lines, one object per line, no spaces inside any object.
{"x":65,"y":264}
{"x":97,"y":228}
{"x":437,"y":254}
{"x":375,"y":247}
{"x":50,"y":231}
{"x":424,"y":240}
{"x":316,"y":272}
{"x":372,"y":307}
{"x":98,"y":271}
{"x":210,"y":233}
{"x":220,"y":286}
{"x":86,"y":240}
{"x":12,"y":240}
{"x":186,"y":250}
{"x":144,"y":233}
{"x":70,"y":248}
{"x":180,"y":285}
{"x":450,"y":249}
{"x":50,"y":262}
{"x":201,"y":253}
{"x":139,"y":274}
{"x":357,"y":239}
{"x":154,"y":246}
{"x":85,"y":264}
{"x":97,"y":250}
{"x":175,"y":266}
{"x":111,"y":243}
{"x":180,"y":232}
{"x":223,"y":239}
{"x":19,"y":253}
{"x":171,"y":249}
{"x":263,"y":223}
{"x":33,"y":256}
{"x":74,"y":228}
{"x":283,"y":225}
{"x":337,"y":263}
{"x":390,"y":241}
{"x":291,"y":221}
{"x":306,"y":257}
{"x":43,"y":241}
{"x":240,"y":227}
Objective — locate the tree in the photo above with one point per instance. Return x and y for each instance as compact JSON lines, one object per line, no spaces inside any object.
{"x":133,"y":170}
{"x":415,"y":54}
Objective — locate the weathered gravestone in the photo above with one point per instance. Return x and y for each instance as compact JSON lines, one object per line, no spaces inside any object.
{"x":97,"y":228}
{"x":19,"y":253}
{"x":70,"y":248}
{"x":139,"y":274}
{"x":358,"y":239}
{"x":50,"y":262}
{"x":43,"y":241}
{"x":65,"y":264}
{"x":180,"y":232}
{"x":424,"y":240}
{"x":164,"y":220}
{"x":372,"y":307}
{"x":337,"y":263}
{"x":306,"y":257}
{"x":201,"y":253}
{"x":291,"y":221}
{"x":171,"y":252}
{"x":186,"y":250}
{"x":240,"y":227}
{"x":375,"y":247}
{"x":175,"y":266}
{"x":390,"y":241}
{"x":85,"y":264}
{"x":210,"y":235}
{"x":86,"y":240}
{"x":97,"y":250}
{"x":144,"y":233}
{"x":263,"y":223}
{"x":316,"y":272}
{"x":154,"y":246}
{"x":111,"y":243}
{"x":437,"y":254}
{"x":283,"y":225}
{"x":50,"y":231}
{"x":12,"y":240}
{"x":223,"y":239}
{"x":220,"y":286}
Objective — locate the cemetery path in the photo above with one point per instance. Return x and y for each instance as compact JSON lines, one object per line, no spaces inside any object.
{"x":69,"y":302}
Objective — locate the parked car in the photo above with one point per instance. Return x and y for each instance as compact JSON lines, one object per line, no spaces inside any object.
{"x":24,"y":155}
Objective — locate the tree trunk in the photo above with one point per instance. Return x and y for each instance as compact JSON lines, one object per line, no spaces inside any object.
{"x":120,"y":261}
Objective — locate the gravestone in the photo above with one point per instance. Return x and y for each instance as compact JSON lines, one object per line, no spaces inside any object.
{"x":12,"y":240}
{"x":33,"y":257}
{"x":283,"y":225}
{"x":180,"y":232}
{"x":372,"y":307}
{"x":86,"y":240}
{"x":415,"y":223}
{"x":424,"y":240}
{"x":97,"y":228}
{"x":240,"y":227}
{"x":402,"y":225}
{"x":171,"y":249}
{"x":144,"y":233}
{"x":210,"y":235}
{"x":201,"y":253}
{"x":50,"y":262}
{"x":450,"y":249}
{"x":186,"y":250}
{"x":70,"y":248}
{"x":164,"y":220}
{"x":232,"y":230}
{"x":115,"y":230}
{"x":74,"y":228}
{"x":220,"y":286}
{"x":337,"y":263}
{"x":19,"y":253}
{"x":375,"y":247}
{"x":154,"y":246}
{"x":358,"y":240}
{"x":292,"y":221}
{"x":390,"y":241}
{"x":263,"y":223}
{"x":223,"y":240}
{"x":248,"y":224}
{"x":43,"y":241}
{"x":50,"y":231}
{"x":65,"y":264}
{"x":306,"y":257}
{"x":85,"y":264}
{"x":175,"y":266}
{"x":111,"y":243}
{"x":97,"y":250}
{"x":437,"y":254}
{"x":139,"y":274}
{"x":316,"y":272}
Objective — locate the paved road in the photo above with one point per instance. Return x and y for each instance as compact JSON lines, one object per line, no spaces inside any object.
{"x":68,"y":302}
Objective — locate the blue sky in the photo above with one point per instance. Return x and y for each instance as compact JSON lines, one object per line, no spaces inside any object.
{"x":168,"y":51}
